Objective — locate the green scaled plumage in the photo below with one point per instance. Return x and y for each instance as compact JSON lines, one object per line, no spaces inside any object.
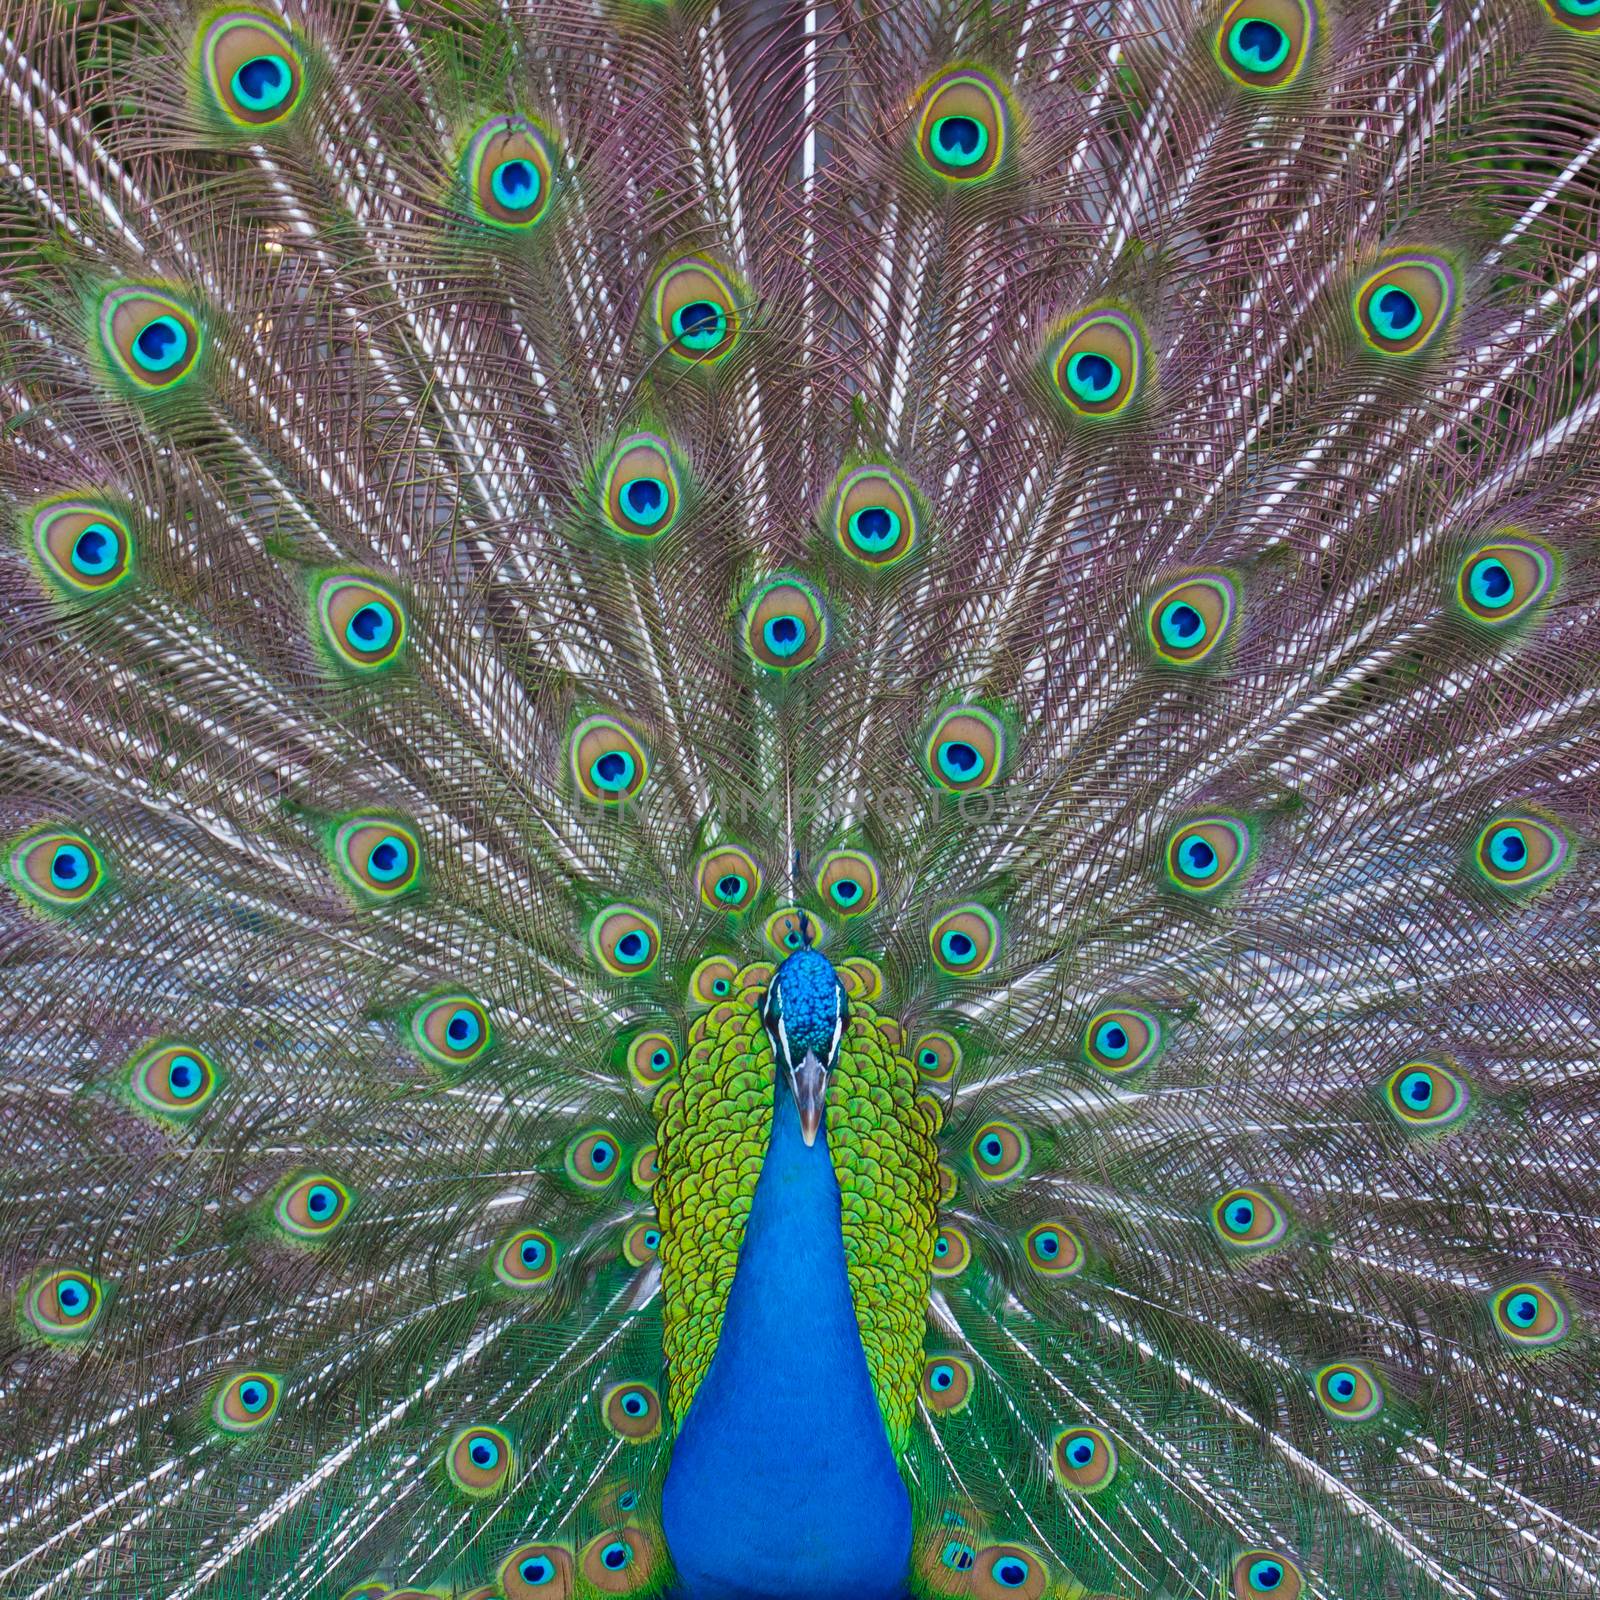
{"x":523,"y":517}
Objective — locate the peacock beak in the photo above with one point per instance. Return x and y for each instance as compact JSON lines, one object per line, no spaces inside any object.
{"x":809,"y":1081}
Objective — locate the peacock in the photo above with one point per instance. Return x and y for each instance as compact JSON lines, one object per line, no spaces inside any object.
{"x":800,"y":798}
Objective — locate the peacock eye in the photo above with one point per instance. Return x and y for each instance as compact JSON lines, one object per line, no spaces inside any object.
{"x":695,"y":310}
{"x":1053,"y":1249}
{"x":507,"y":171}
{"x":848,"y":881}
{"x":313,"y":1207}
{"x":608,"y":762}
{"x":1084,"y":1460}
{"x":363,"y":626}
{"x":729,"y":879}
{"x":1582,"y":16}
{"x":783,"y":626}
{"x":1189,"y":621}
{"x":712,"y":980}
{"x":1400,"y":308}
{"x":938,"y":1056}
{"x":641,"y":492}
{"x":245,"y":1403}
{"x":640,"y":1244}
{"x":479,"y":1461}
{"x":1011,"y":1569}
{"x":1122,"y":1040}
{"x":963,"y":126}
{"x":875,"y":518}
{"x":652,"y":1058}
{"x":632,"y":1411}
{"x":1264,"y":44}
{"x":1265,"y":1572}
{"x":965,"y":749}
{"x":380,"y":858}
{"x":946,"y":1385}
{"x":1504,"y":579}
{"x":951,"y":1252}
{"x":83,"y":548}
{"x":1530,"y":1315}
{"x":526,"y":1259}
{"x":1423,"y":1095}
{"x":1206,"y":855}
{"x":152,"y":339}
{"x":1516,"y":853}
{"x":624,"y":941}
{"x":173,"y":1080}
{"x":56,"y":870}
{"x":64,"y":1304}
{"x":536,"y":1572}
{"x":1097,"y":364}
{"x":252,"y":69}
{"x":965,"y":940}
{"x":609,"y":1555}
{"x":1248,"y":1220}
{"x":999,"y":1151}
{"x":450,"y":1030}
{"x":1349,"y":1391}
{"x":594,"y":1160}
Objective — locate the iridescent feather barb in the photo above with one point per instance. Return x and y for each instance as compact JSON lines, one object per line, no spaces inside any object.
{"x":799,"y":800}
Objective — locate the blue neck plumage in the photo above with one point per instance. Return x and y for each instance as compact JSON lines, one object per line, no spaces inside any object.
{"x":782,"y":1481}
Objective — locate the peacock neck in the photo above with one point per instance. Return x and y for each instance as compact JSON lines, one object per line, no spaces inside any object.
{"x":782,"y":1482}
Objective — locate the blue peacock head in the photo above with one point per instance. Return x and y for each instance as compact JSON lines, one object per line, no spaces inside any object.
{"x":805,"y":1011}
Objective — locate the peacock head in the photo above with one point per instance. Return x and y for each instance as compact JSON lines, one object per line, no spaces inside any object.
{"x":805,"y":1011}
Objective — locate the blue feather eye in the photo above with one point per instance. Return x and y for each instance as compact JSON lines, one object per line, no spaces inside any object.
{"x":1264,"y":44}
{"x":1205,"y":855}
{"x":1424,"y":1095}
{"x":507,"y":172}
{"x":245,"y":1403}
{"x":951,"y":1252}
{"x":1187,"y":622}
{"x":1097,"y":363}
{"x":1084,"y":1460}
{"x":652,"y":1059}
{"x":173,"y":1080}
{"x":713,"y":980}
{"x":946,"y":1385}
{"x":783,"y":626}
{"x":1400,"y":307}
{"x":450,"y":1030}
{"x":380,"y":858}
{"x":641,"y":492}
{"x":536,"y":1572}
{"x":624,"y":941}
{"x":363,"y":626}
{"x":151,"y":338}
{"x":1248,"y":1220}
{"x":640,"y":1244}
{"x":963,"y":126}
{"x":56,"y":870}
{"x":1008,"y":1570}
{"x":694,"y":306}
{"x":312,"y":1208}
{"x":938,"y":1056}
{"x":1517,"y":852}
{"x":1504,"y":579}
{"x":64,"y":1304}
{"x":83,"y":549}
{"x":1582,"y":16}
{"x":1122,"y":1040}
{"x":252,"y":70}
{"x":729,"y":879}
{"x":526,"y":1260}
{"x":1265,"y":1572}
{"x":875,"y":517}
{"x":999,"y":1151}
{"x":594,"y":1159}
{"x":1053,"y":1250}
{"x":1349,"y":1391}
{"x":479,"y":1461}
{"x":632,"y":1411}
{"x":616,"y":1562}
{"x":965,"y":940}
{"x":965,"y":749}
{"x":608,"y":762}
{"x":848,"y":881}
{"x":1530,"y":1316}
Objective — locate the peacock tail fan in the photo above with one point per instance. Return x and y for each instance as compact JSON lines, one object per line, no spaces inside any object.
{"x":799,"y":799}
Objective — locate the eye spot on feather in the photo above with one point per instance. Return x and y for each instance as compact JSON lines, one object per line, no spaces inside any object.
{"x":1053,"y":1250}
{"x":1426,"y":1096}
{"x":1122,"y":1040}
{"x":151,"y":338}
{"x":618,"y":1561}
{"x":508,"y":172}
{"x":963,"y":126}
{"x":608,"y":763}
{"x":640,"y":1244}
{"x":1248,"y":1220}
{"x":1265,"y":44}
{"x":713,"y":980}
{"x":1503,"y":580}
{"x":84,"y":549}
{"x":632,"y":1411}
{"x":1349,"y":1391}
{"x":526,"y":1260}
{"x":695,"y":310}
{"x":1266,"y":1572}
{"x":251,"y":68}
{"x":594,"y":1159}
{"x":1189,"y":621}
{"x":1530,"y":1316}
{"x":784,"y":626}
{"x":783,"y":929}
{"x":537,"y":1572}
{"x":450,"y":1030}
{"x":1582,"y":16}
{"x":1004,"y":1571}
{"x":1097,"y":363}
{"x":999,"y":1151}
{"x":64,"y":1304}
{"x":1084,"y":1460}
{"x":965,"y":749}
{"x":652,"y":1059}
{"x":951,"y":1252}
{"x":1404,"y":304}
{"x":362,"y":623}
{"x":729,"y":879}
{"x":246,"y":1403}
{"x":946,"y":1385}
{"x":848,"y":881}
{"x":875,"y":519}
{"x":379,"y":857}
{"x":645,"y":1169}
{"x":479,"y":1460}
{"x":938,"y":1056}
{"x":57,"y":870}
{"x":964,"y":940}
{"x":640,"y":492}
{"x":312,"y":1208}
{"x":1517,"y":852}
{"x":863,"y":981}
{"x":948,"y":1184}
{"x":173,"y":1080}
{"x":1206,"y":855}
{"x":624,"y":941}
